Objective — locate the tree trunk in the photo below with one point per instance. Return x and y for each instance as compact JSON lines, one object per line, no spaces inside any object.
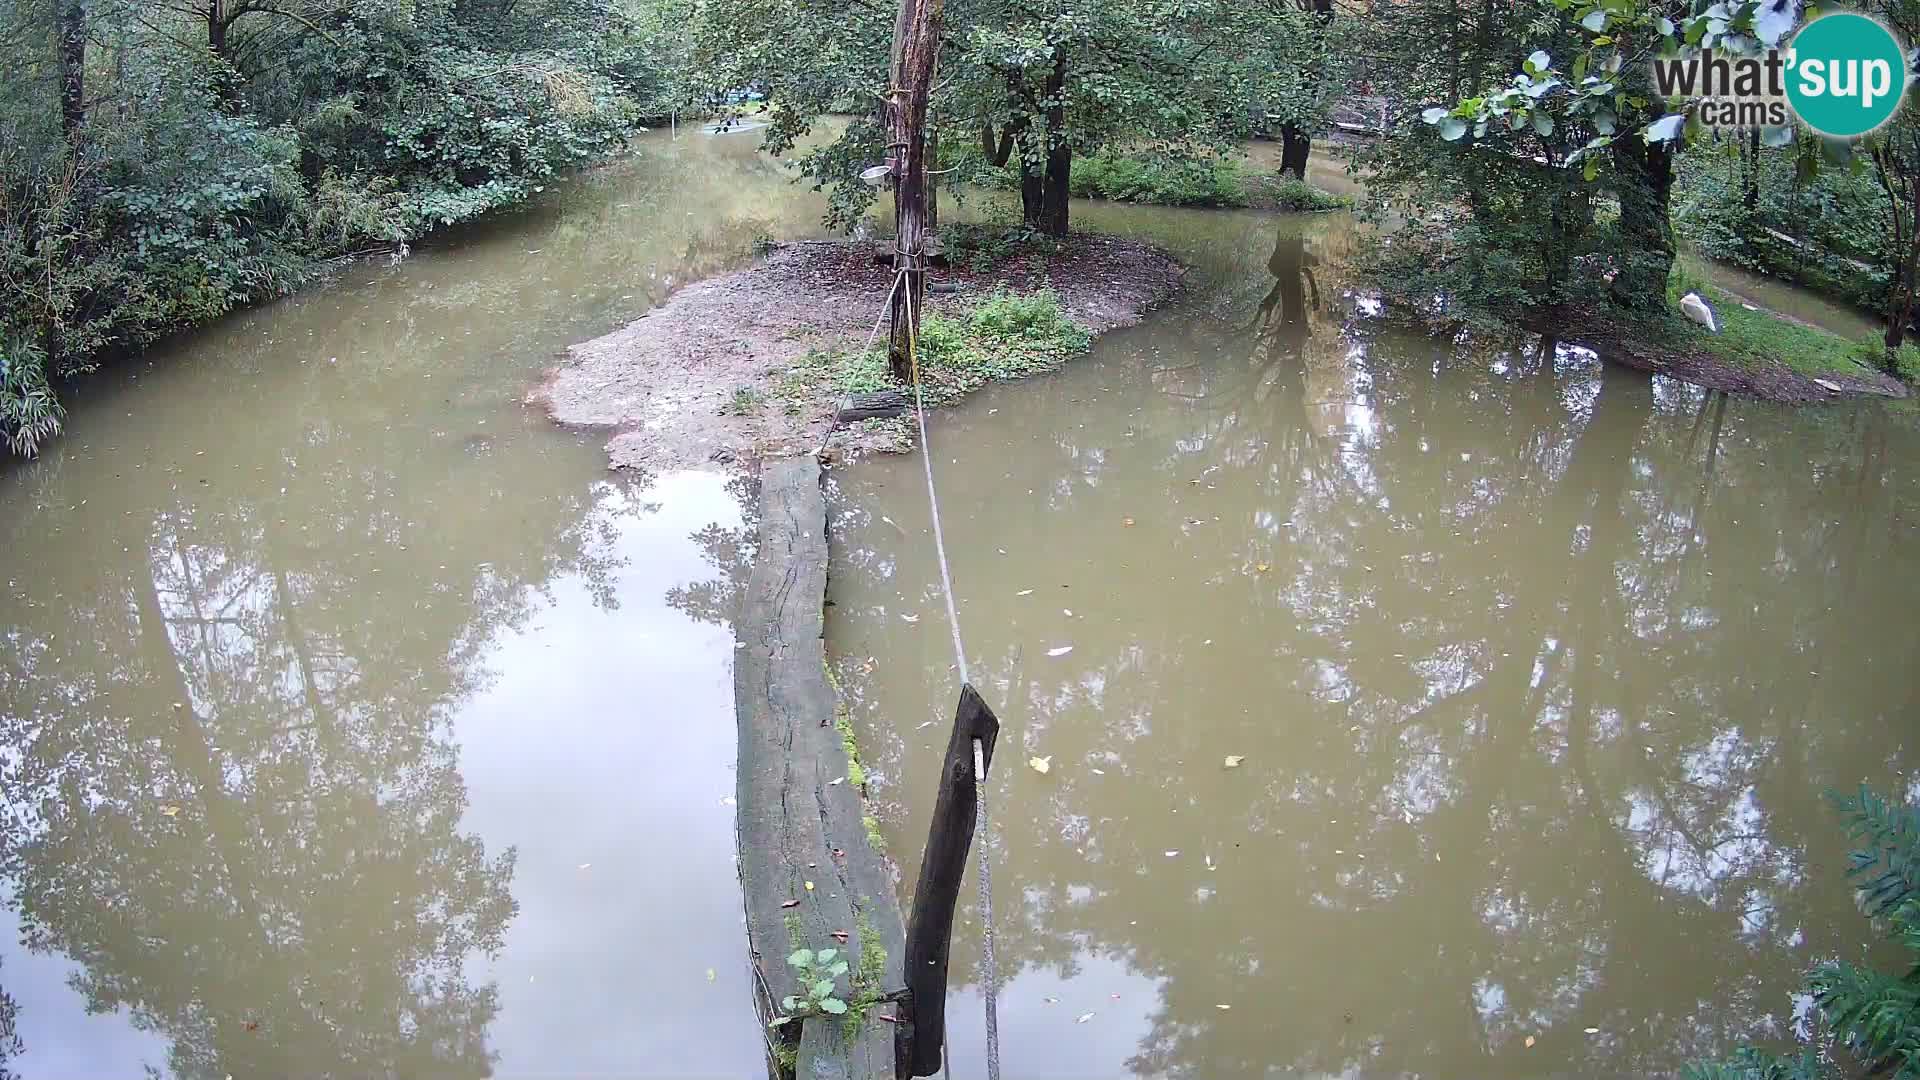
{"x":1296,"y":145}
{"x":1900,"y":312}
{"x":73,"y":68}
{"x":1644,"y":174}
{"x":1059,"y":154}
{"x":917,"y":47}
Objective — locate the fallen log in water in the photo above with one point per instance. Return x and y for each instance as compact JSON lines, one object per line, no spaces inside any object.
{"x":811,"y":877}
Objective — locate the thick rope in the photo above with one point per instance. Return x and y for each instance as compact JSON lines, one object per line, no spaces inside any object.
{"x":933,"y":500}
{"x":989,"y":965}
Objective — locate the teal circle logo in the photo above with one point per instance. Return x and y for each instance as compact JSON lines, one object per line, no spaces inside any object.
{"x":1846,"y":74}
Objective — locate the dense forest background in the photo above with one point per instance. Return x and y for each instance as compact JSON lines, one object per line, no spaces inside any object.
{"x":164,"y":161}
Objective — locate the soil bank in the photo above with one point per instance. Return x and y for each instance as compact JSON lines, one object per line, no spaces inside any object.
{"x":704,"y":377}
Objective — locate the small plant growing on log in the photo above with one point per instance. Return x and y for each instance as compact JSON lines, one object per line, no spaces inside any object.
{"x":818,"y":972}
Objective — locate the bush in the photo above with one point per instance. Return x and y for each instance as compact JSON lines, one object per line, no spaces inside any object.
{"x":1874,"y":1015}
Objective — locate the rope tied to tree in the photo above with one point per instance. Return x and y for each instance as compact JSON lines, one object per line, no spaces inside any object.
{"x":989,"y":965}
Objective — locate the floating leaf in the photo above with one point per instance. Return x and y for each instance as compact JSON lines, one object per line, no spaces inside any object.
{"x":909,"y":618}
{"x":1223,"y":1008}
{"x":1172,"y":853}
{"x":1040,"y":764}
{"x":1261,"y":568}
{"x":836,"y":782}
{"x":711,"y":976}
{"x":1128,"y":522}
{"x":809,"y":886}
{"x":1083,"y":1018}
{"x":1593,"y":1031}
{"x":790,"y":903}
{"x":1060,"y":650}
{"x":169,"y":811}
{"x":585,"y":866}
{"x":1233,"y":760}
{"x":1024,"y":592}
{"x":1529,"y":1040}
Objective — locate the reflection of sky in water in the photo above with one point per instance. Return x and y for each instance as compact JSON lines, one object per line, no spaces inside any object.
{"x":603,"y":751}
{"x":601,"y":746}
{"x":61,"y":1040}
{"x":1039,"y":1014}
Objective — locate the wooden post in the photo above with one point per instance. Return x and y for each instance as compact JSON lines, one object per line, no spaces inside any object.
{"x":917,"y":1045}
{"x":916,"y":48}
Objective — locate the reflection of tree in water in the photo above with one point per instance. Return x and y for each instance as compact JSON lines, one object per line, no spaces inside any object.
{"x":234,"y":798}
{"x":11,"y":1045}
{"x":730,"y":552}
{"x":1528,"y":764}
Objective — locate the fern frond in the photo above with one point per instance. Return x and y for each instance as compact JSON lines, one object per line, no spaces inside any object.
{"x":1878,"y":1015}
{"x":1885,"y":863}
{"x":1750,"y":1063}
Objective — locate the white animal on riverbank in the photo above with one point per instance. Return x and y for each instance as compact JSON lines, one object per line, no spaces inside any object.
{"x":1695,"y":307}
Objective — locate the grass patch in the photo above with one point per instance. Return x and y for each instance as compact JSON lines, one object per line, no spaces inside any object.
{"x":981,"y":246}
{"x":1167,"y":180}
{"x":745,"y":400}
{"x":1159,"y":180}
{"x":1005,"y":336}
{"x":1294,"y":195}
{"x":1758,"y":338}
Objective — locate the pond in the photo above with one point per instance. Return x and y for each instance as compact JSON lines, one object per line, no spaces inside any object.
{"x":356,"y":721}
{"x":1408,"y":709}
{"x":353,"y":721}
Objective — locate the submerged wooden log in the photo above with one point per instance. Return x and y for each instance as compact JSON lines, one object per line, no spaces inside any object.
{"x":881,"y":404}
{"x":811,"y":877}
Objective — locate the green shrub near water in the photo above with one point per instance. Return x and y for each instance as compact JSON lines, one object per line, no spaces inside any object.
{"x":204,"y":176}
{"x":1871,"y":1015}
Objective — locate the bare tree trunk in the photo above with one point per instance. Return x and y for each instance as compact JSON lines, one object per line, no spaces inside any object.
{"x":916,"y":49}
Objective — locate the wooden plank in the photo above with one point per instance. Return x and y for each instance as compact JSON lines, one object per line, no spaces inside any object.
{"x":795,"y":823}
{"x":930,"y":928}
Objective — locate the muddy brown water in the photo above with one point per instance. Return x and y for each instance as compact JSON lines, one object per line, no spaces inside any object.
{"x":330,"y":669}
{"x":353,"y":721}
{"x":1533,"y":672}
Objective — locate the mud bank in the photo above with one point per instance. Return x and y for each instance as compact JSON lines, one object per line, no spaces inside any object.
{"x":710,"y":376}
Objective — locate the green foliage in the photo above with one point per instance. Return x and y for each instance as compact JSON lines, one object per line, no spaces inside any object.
{"x":1294,"y":195}
{"x":982,"y":246}
{"x":1159,"y":180}
{"x":1830,"y":231}
{"x":218,"y":163}
{"x":817,"y":974}
{"x":1885,"y":863}
{"x":745,"y":401}
{"x":1053,"y":83}
{"x":1005,"y":336}
{"x":29,"y":413}
{"x":1874,"y":1014}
